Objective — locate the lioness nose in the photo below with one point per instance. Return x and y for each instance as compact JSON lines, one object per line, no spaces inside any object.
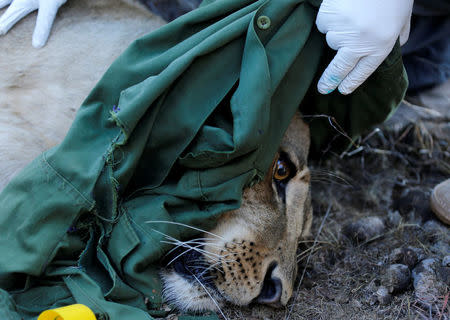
{"x":272,"y":288}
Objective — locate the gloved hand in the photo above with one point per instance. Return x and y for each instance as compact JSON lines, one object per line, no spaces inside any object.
{"x":20,"y":8}
{"x":363,"y":32}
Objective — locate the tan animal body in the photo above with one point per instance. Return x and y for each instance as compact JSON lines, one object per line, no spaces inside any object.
{"x":251,"y":254}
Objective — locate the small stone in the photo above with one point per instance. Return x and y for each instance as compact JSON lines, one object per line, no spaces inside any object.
{"x":443,"y":274}
{"x":369,"y":293}
{"x":397,"y":278}
{"x":406,"y":256}
{"x":364,"y":229}
{"x":356,"y":304}
{"x":434,"y":229}
{"x":342,"y":298}
{"x":414,"y":204}
{"x":421,"y":255}
{"x":446,"y":261}
{"x":383,"y":295}
{"x":426,"y":265}
{"x":394,"y":218}
{"x":372,"y":299}
{"x":440,"y":248}
{"x":427,"y":287}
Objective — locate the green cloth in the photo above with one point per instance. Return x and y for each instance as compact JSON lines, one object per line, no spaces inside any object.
{"x":182,"y":121}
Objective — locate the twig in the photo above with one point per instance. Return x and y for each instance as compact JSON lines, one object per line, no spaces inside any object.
{"x":444,"y":305}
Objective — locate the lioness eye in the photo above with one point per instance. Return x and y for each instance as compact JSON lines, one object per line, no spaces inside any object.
{"x":282,"y":170}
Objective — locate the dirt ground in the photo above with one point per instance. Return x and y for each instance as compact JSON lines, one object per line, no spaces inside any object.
{"x":372,"y":211}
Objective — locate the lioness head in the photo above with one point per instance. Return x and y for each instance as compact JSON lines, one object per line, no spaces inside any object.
{"x":251,"y":254}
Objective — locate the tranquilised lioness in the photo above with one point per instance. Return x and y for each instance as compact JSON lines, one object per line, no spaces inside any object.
{"x":250,"y":256}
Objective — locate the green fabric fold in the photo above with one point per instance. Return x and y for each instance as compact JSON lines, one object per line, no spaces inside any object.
{"x":182,"y":121}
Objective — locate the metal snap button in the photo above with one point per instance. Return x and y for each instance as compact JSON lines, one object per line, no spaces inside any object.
{"x":263,"y":22}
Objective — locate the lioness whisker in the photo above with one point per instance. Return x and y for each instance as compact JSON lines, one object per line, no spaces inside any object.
{"x":183,"y":253}
{"x":193,"y":241}
{"x":211,"y":297}
{"x":190,"y":248}
{"x":312,"y":241}
{"x":179,"y":243}
{"x":328,"y":178}
{"x":196,"y":248}
{"x":213,"y":266}
{"x":305,"y":251}
{"x":305,"y":255}
{"x":325,"y":180}
{"x":307,"y":260}
{"x":212,"y":256}
{"x":186,"y":226}
{"x":327,"y":173}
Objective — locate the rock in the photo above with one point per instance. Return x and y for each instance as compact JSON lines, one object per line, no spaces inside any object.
{"x":342,"y":298}
{"x":364,"y":229}
{"x":440,"y":247}
{"x":443,"y":271}
{"x":426,"y":265}
{"x":383,"y":295}
{"x":446,"y":261}
{"x":421,"y":255}
{"x":435,"y":230}
{"x":413,"y":203}
{"x":406,"y":256}
{"x":372,"y":299}
{"x":428,"y":288}
{"x":443,"y":274}
{"x":397,"y":278}
{"x":394,"y":218}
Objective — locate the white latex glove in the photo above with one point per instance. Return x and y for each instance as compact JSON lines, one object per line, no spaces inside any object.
{"x":363,"y":32}
{"x":20,"y":8}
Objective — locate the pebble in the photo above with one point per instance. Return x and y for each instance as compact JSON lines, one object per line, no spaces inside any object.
{"x":428,"y":288}
{"x":446,"y":261}
{"x":435,"y":229}
{"x":394,"y":218}
{"x":383,"y":295}
{"x":414,"y":204}
{"x":440,"y":247}
{"x":397,"y":278}
{"x":342,"y":298}
{"x":364,"y":229}
{"x":421,"y":255}
{"x":406,"y":256}
{"x":443,"y":271}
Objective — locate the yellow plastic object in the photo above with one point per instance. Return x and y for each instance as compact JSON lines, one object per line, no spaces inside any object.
{"x":71,"y":312}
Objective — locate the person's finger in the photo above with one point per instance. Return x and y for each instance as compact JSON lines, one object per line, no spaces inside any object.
{"x":4,"y":3}
{"x":404,"y":33}
{"x":337,"y":70}
{"x":16,"y":11}
{"x":334,"y":39}
{"x":46,"y":16}
{"x":365,"y":67}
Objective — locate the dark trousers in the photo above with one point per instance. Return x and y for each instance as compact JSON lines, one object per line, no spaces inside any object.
{"x":426,"y":55}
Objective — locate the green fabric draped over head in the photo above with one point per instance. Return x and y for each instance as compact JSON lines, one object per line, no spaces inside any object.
{"x":182,"y":121}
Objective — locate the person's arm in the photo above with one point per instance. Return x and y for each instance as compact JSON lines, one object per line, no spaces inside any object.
{"x":363,"y":32}
{"x":20,"y":8}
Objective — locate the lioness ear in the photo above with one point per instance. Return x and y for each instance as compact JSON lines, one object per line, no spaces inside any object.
{"x":297,"y":137}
